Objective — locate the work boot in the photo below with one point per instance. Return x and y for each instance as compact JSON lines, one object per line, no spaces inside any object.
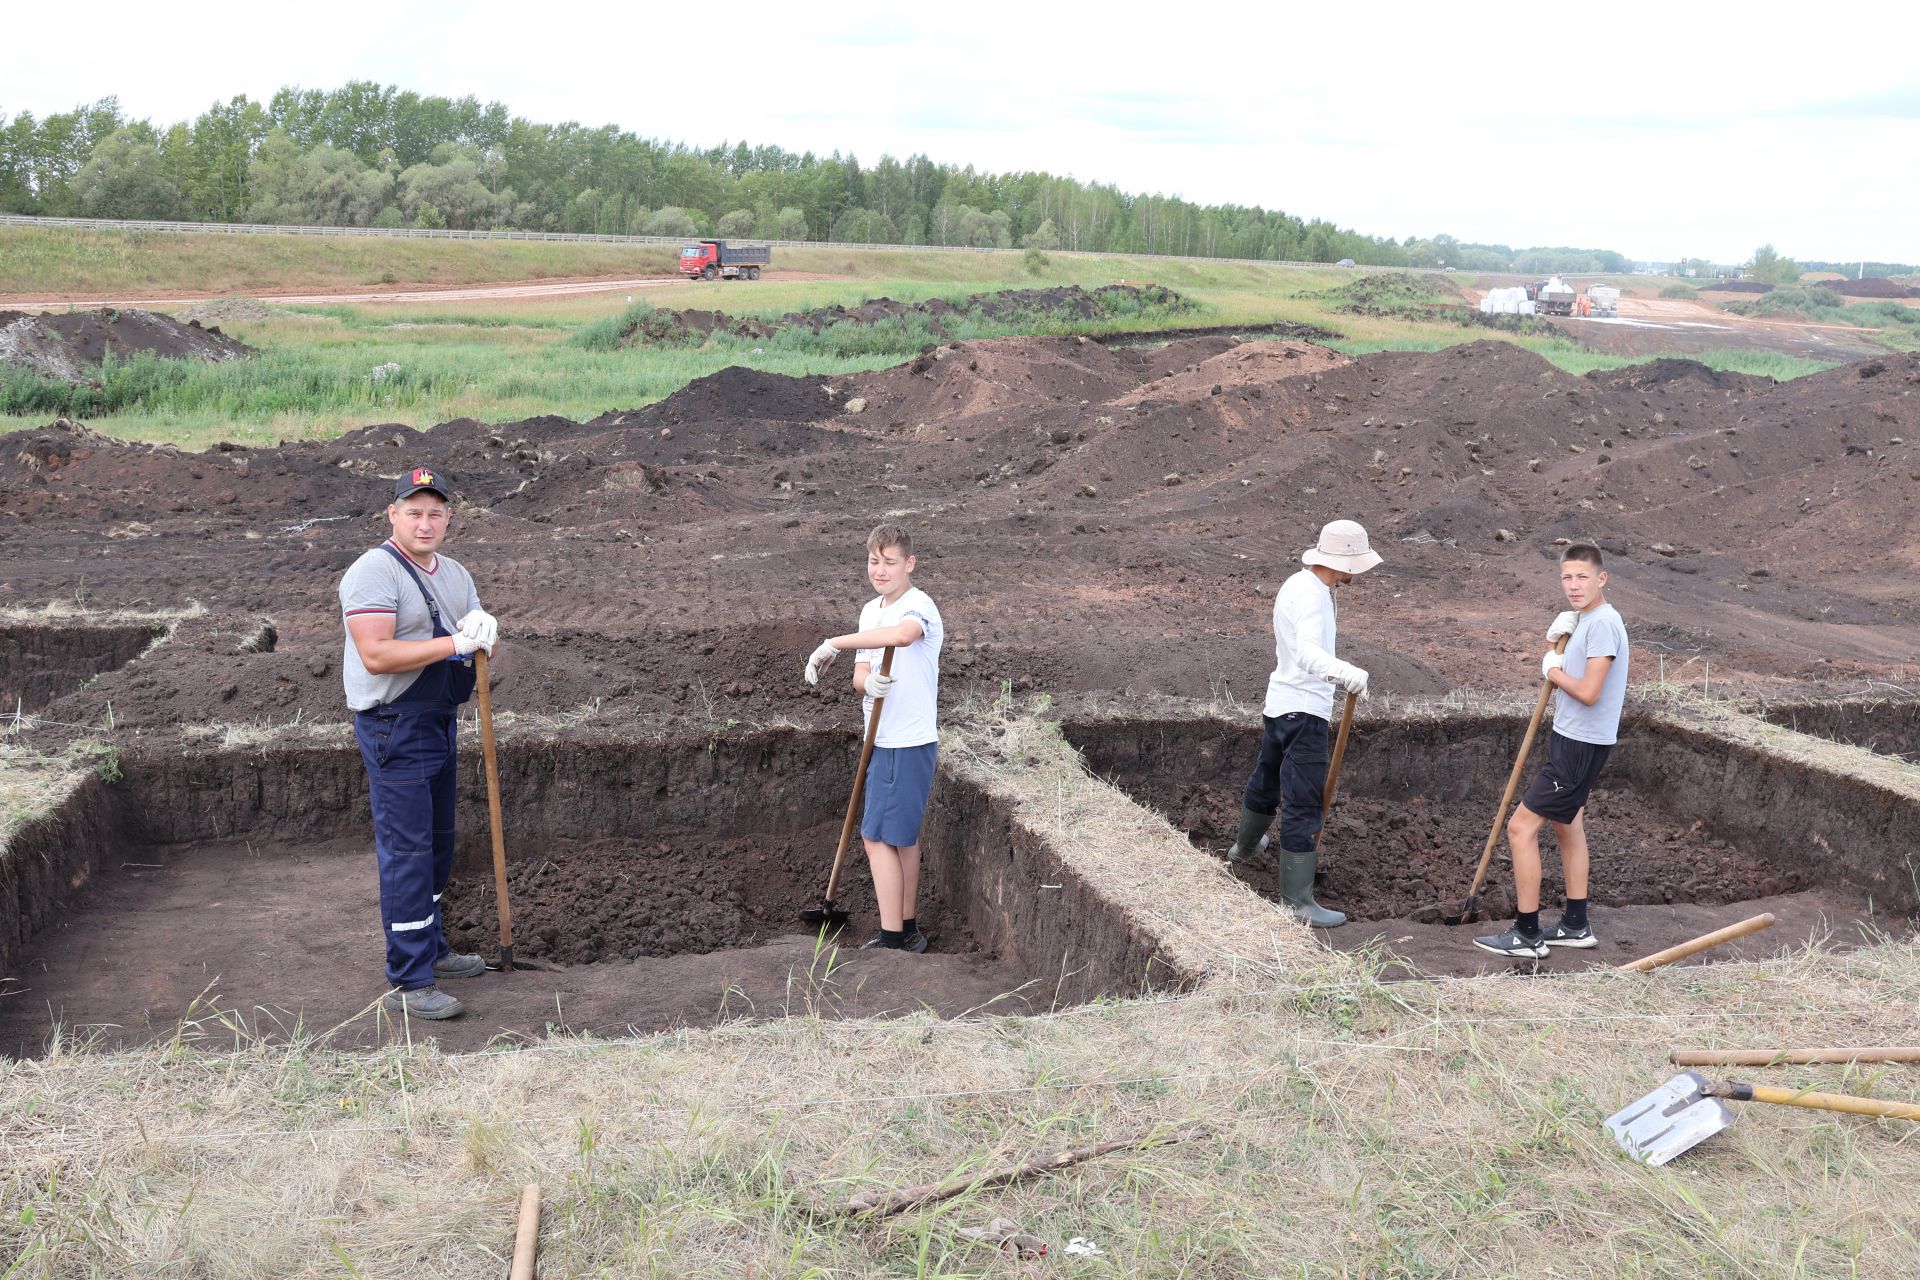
{"x":455,"y":965}
{"x":430,"y":1003}
{"x":1252,"y":841}
{"x":1296,"y":890}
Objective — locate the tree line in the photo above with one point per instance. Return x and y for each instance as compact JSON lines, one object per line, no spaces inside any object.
{"x":371,"y":155}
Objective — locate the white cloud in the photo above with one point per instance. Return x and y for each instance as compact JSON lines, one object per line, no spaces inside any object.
{"x":1658,"y":130}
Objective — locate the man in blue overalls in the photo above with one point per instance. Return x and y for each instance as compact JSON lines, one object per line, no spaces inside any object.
{"x":407,"y":670}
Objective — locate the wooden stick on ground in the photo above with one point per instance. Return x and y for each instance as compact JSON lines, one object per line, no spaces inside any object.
{"x":1706,"y":941}
{"x":526,"y":1239}
{"x":884,"y":1203}
{"x":1784,"y":1057}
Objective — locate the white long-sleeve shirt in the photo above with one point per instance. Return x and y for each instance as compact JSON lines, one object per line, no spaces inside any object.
{"x":1303,"y":648}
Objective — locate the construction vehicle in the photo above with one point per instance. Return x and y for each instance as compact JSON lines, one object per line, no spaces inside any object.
{"x":1601,"y":300}
{"x":1552,"y":297}
{"x":720,"y":260}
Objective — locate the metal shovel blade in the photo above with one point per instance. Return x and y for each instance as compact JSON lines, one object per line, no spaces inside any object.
{"x":1673,"y":1119}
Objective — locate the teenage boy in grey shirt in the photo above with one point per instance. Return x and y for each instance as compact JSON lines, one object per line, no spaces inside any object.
{"x":1590,"y":685}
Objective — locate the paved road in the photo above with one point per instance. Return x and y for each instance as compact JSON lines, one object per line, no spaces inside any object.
{"x":469,"y":293}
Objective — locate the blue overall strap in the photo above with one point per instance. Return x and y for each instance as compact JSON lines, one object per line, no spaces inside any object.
{"x":433,"y":610}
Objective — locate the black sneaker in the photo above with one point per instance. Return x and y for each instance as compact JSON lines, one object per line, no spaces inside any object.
{"x":1565,"y":935}
{"x":916,"y":942}
{"x":1514,"y":943}
{"x":878,"y":942}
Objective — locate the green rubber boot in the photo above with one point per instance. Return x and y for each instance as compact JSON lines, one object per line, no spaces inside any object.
{"x":1296,"y":889}
{"x":1253,"y":837}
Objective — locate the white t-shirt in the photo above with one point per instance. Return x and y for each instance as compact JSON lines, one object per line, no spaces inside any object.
{"x":908,"y":717}
{"x":1303,"y":618}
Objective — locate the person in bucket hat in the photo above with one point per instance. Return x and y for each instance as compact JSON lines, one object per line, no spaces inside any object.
{"x":1290,"y":776}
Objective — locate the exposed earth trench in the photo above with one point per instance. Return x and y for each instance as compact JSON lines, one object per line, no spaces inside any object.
{"x":1104,"y":526}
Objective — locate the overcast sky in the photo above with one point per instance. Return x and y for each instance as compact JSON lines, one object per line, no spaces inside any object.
{"x":1653,"y":129}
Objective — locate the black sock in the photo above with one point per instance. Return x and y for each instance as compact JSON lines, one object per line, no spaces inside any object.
{"x":893,"y":939}
{"x":1527,"y":922}
{"x":1575,"y":916}
{"x":910,"y":926}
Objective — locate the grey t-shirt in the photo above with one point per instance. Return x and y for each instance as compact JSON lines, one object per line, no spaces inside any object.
{"x":377,"y":583}
{"x":1600,"y":634}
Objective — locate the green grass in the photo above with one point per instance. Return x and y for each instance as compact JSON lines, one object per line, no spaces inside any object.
{"x":44,"y":262}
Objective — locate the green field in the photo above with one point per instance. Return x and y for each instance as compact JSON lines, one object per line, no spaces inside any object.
{"x":508,"y":359}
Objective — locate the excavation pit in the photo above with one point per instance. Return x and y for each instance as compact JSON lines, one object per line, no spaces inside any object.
{"x":1885,"y":727}
{"x":41,"y":663}
{"x":666,"y":877}
{"x":1687,"y":833}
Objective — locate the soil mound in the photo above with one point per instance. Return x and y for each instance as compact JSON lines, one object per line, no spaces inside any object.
{"x":738,"y":392}
{"x":72,"y":345}
{"x":1872,"y":287}
{"x":939,"y":317}
{"x":1735,"y":286}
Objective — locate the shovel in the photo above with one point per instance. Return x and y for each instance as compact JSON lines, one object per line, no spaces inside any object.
{"x":828,"y":914}
{"x":1471,"y":910}
{"x":481,"y":687}
{"x":1688,"y":1109}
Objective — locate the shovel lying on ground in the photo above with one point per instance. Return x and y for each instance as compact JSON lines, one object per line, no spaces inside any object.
{"x":1471,"y":909}
{"x":828,"y":914}
{"x":1687,"y":1110}
{"x":480,"y":687}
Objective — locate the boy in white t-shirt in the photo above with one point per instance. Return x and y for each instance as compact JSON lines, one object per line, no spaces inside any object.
{"x":906,"y":746}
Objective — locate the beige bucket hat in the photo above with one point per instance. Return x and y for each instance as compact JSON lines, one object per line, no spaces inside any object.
{"x":1343,"y":547}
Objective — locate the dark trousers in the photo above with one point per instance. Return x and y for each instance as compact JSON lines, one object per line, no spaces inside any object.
{"x":1290,"y":777}
{"x":410,"y":757}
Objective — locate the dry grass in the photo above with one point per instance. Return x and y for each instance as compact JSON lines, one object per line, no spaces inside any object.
{"x":1421,"y":1129}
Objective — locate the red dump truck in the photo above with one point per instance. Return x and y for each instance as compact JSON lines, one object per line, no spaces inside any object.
{"x":719,"y":260}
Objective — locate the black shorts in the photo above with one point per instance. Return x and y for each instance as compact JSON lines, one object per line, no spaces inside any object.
{"x":1559,"y":791}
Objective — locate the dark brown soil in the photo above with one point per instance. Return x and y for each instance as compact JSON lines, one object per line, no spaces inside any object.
{"x":684,"y":893}
{"x":1096,"y":524}
{"x":1886,"y":726}
{"x":1062,"y":303}
{"x":70,"y":345}
{"x":1872,"y":287}
{"x":1402,"y":858}
{"x":39,"y":663}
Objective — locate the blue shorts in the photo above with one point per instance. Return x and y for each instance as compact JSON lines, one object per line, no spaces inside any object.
{"x":898,"y":782}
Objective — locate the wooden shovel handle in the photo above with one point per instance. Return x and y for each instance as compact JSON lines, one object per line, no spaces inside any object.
{"x":481,"y":687}
{"x":526,"y":1234}
{"x":1339,"y":754}
{"x":859,"y":782}
{"x":1796,"y":1057}
{"x":1706,"y":941}
{"x":1513,"y":778}
{"x":1742,"y":1092}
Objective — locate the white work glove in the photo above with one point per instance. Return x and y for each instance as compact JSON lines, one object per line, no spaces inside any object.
{"x":820,"y":660}
{"x":1349,"y":677}
{"x":879,"y":684}
{"x":1563,"y":625}
{"x":464,"y":645}
{"x":1551,"y":663}
{"x":481,"y":627}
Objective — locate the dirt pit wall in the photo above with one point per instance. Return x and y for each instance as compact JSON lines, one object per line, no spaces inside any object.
{"x":1885,"y":727}
{"x":1680,"y":817}
{"x":40,"y":663}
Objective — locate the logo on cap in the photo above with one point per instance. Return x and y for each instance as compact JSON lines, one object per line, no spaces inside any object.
{"x":422,"y":475}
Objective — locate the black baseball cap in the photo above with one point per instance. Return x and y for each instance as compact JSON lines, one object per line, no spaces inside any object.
{"x":415,"y":479}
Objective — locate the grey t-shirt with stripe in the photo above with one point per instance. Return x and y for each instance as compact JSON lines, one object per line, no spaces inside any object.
{"x":377,"y":583}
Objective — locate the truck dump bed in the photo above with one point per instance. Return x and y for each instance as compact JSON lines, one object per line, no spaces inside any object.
{"x":744,"y":255}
